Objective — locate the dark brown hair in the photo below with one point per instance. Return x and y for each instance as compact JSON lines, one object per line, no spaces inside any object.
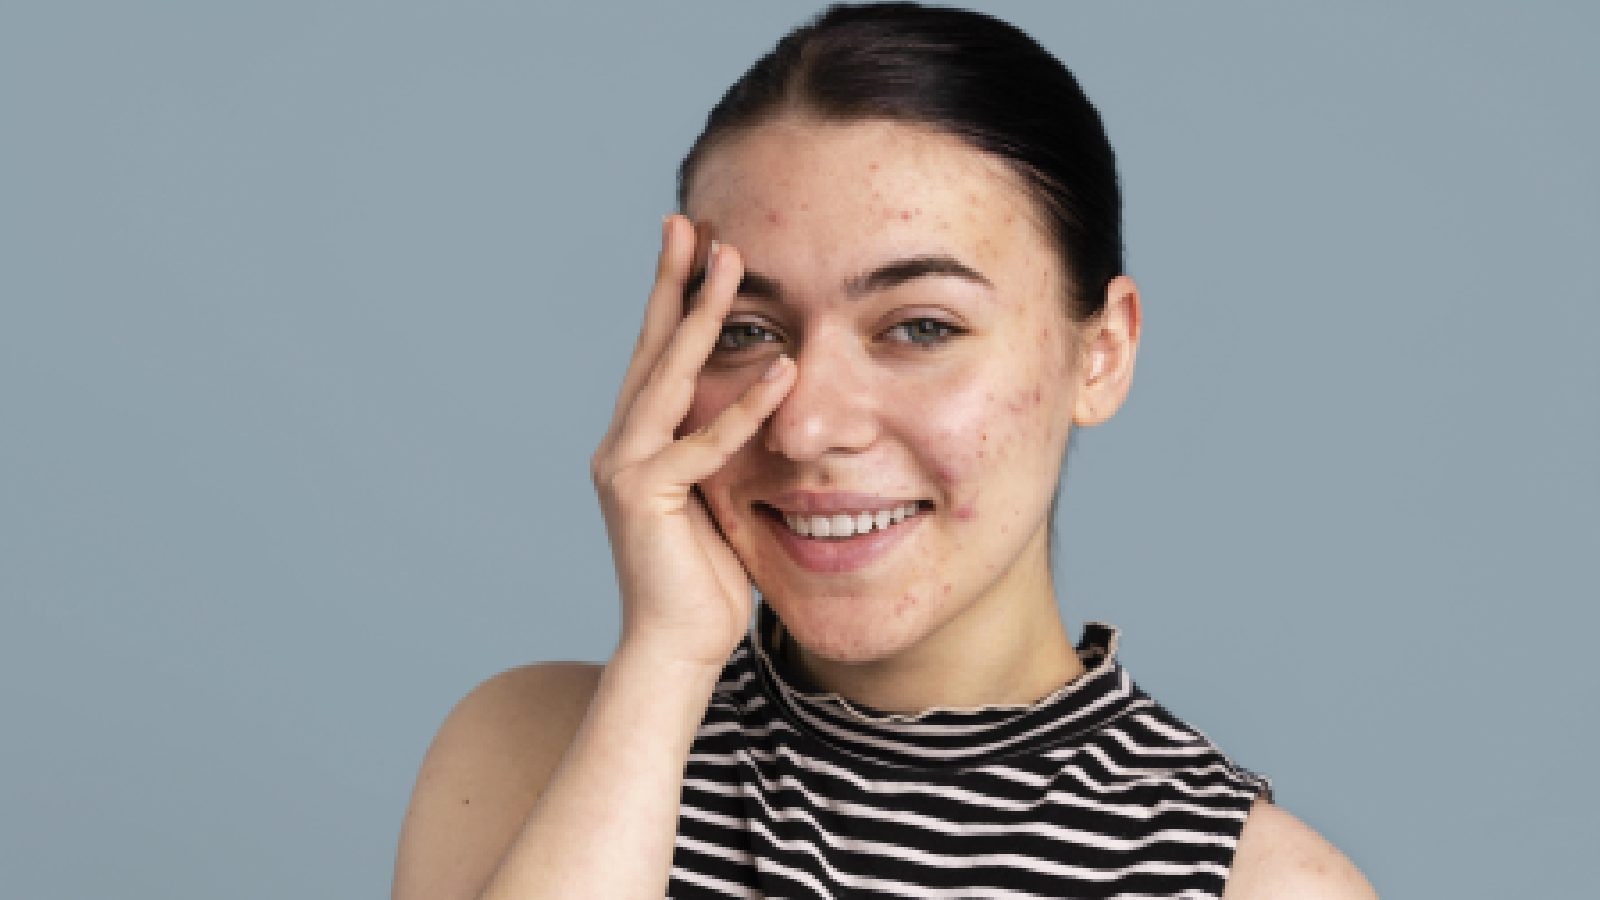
{"x":963,"y":73}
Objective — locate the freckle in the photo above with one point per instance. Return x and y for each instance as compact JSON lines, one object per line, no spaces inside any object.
{"x":947,"y":588}
{"x":984,"y":436}
{"x":1036,"y":395}
{"x":804,"y":207}
{"x":905,"y":215}
{"x":774,"y":218}
{"x":872,"y":167}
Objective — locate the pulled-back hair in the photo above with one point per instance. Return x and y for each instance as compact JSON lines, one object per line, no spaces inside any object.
{"x":964,"y":73}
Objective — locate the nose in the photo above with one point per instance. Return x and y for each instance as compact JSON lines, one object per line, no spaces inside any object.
{"x":830,"y":409}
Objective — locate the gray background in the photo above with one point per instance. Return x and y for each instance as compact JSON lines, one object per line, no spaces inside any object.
{"x":311,"y":314}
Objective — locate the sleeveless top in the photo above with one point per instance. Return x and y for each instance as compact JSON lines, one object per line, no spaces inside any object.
{"x":1092,"y":791}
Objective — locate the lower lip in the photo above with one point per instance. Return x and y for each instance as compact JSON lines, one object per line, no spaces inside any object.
{"x":841,"y":554}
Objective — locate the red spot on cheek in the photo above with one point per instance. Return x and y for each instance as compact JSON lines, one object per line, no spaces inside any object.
{"x":947,"y":588}
{"x":872,"y":167}
{"x":905,"y":215}
{"x":1036,"y":395}
{"x":965,"y":512}
{"x":774,"y":217}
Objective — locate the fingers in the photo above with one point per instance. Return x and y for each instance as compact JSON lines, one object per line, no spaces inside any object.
{"x":662,"y":311}
{"x":698,"y":456}
{"x":663,"y":399}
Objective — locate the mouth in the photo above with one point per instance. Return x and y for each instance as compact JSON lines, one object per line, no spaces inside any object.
{"x":837,"y":534}
{"x":841,"y":525}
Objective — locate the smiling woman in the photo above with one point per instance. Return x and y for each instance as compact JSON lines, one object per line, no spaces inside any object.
{"x":894,"y":289}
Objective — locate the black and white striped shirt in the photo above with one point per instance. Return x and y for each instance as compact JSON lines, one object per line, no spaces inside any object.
{"x":1093,"y":791}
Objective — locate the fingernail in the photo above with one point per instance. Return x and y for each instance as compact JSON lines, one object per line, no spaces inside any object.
{"x":711,"y":259}
{"x":774,"y":368}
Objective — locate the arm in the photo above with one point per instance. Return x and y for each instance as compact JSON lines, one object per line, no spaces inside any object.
{"x":1281,"y":858}
{"x":586,"y":805}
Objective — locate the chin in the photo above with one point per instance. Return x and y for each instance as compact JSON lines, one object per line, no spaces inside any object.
{"x":853,"y":628}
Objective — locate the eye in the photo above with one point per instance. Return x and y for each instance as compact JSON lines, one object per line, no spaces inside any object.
{"x":923,"y":332}
{"x":736,"y":336}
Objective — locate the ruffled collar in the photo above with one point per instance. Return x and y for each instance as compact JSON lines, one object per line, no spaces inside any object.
{"x":949,"y":737}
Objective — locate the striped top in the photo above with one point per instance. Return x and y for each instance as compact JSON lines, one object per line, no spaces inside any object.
{"x":1093,"y":791}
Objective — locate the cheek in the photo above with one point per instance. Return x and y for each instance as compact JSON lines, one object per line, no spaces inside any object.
{"x":989,"y":437}
{"x":712,"y":395}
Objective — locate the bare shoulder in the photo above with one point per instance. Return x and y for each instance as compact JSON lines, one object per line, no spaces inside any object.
{"x":1282,"y":858}
{"x":485,"y":768}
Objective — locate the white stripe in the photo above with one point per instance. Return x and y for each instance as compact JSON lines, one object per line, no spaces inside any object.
{"x":1058,"y":833}
{"x":809,"y":704}
{"x":1139,"y":778}
{"x":1009,"y":860}
{"x":712,"y":882}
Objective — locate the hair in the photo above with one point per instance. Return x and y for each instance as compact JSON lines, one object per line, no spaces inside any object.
{"x":964,"y":73}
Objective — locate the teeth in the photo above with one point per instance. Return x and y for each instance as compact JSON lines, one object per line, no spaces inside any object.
{"x":847,"y":524}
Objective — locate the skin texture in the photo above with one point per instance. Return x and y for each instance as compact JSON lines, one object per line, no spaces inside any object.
{"x":974,"y":423}
{"x":562,"y":779}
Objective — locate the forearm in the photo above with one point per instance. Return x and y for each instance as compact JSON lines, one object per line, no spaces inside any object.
{"x":604,"y":825}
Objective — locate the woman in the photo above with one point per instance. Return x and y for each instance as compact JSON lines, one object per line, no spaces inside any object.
{"x":894,"y":289}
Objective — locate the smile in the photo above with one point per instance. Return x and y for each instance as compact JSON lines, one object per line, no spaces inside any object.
{"x":843,"y":525}
{"x":834,"y":540}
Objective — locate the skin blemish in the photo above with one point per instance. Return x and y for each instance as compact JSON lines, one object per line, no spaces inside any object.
{"x":965,"y":512}
{"x":905,"y":215}
{"x":873,"y":167}
{"x":1036,"y":395}
{"x":948,"y":587}
{"x":774,"y":217}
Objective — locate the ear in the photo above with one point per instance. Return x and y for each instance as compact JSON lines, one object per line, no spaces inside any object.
{"x":1109,"y":342}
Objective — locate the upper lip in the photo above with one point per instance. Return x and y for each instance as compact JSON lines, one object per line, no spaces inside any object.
{"x":830,"y":502}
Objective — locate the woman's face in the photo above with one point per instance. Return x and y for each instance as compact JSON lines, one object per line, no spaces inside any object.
{"x":907,"y":276}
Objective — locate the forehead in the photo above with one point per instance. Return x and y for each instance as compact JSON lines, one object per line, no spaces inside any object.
{"x":801,"y":196}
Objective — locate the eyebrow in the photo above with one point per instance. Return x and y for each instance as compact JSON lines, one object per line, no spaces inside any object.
{"x":888,"y":275}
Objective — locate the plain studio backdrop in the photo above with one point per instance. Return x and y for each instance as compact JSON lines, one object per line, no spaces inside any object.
{"x":311,"y":315}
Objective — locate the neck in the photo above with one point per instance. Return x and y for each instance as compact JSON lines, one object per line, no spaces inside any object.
{"x":1007,"y":647}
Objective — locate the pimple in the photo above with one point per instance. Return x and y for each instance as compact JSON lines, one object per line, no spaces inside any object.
{"x":905,"y":215}
{"x":965,"y":512}
{"x":774,"y":217}
{"x":947,"y":588}
{"x":1037,"y":396}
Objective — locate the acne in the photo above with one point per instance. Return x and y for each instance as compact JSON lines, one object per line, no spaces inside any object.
{"x":774,"y":218}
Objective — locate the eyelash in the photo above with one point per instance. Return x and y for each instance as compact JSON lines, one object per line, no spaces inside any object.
{"x":944,"y":332}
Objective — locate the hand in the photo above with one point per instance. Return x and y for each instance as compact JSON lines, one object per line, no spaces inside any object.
{"x":685,"y":595}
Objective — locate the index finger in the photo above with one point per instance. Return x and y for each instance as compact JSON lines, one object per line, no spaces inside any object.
{"x":663,"y":310}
